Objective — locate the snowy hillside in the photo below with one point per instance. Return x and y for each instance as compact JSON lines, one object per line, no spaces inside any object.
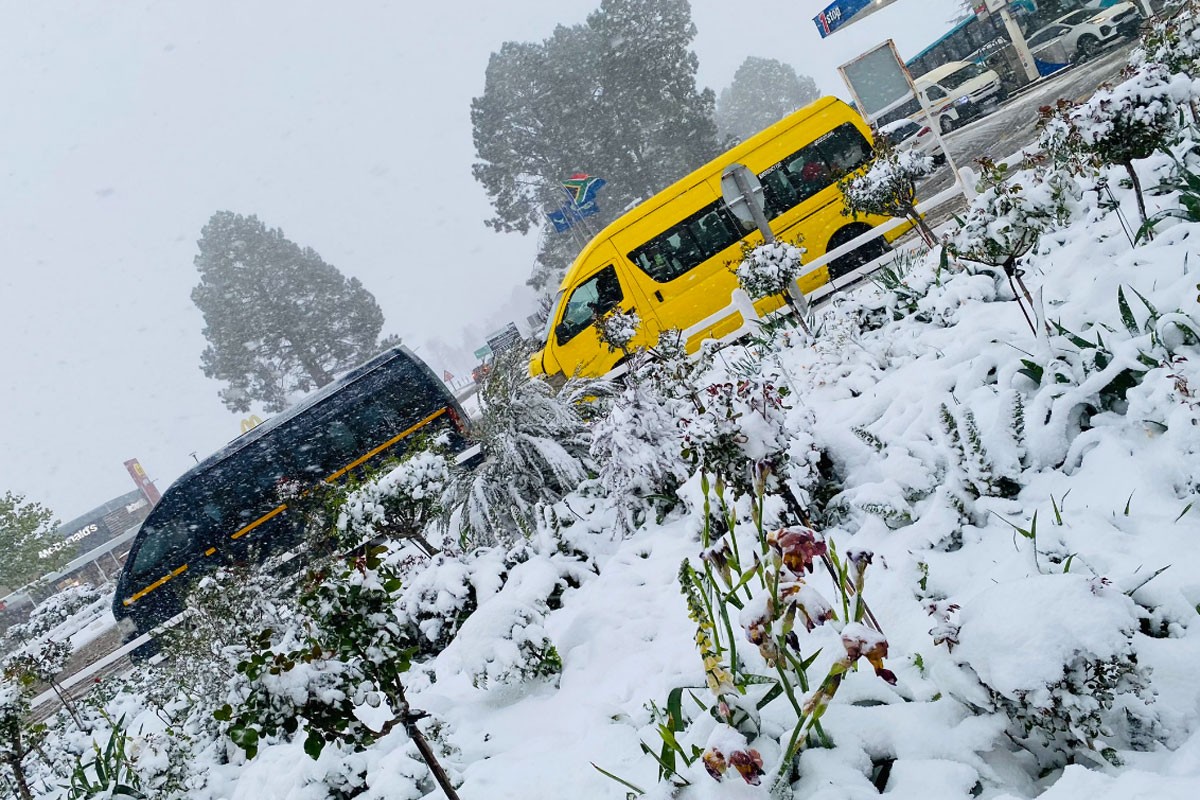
{"x":944,"y":547}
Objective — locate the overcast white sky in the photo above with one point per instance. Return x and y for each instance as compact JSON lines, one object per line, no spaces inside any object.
{"x":124,"y":126}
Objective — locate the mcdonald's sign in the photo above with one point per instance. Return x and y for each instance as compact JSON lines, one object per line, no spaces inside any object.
{"x":250,"y":422}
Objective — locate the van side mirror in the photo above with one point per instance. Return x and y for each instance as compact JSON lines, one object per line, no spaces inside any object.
{"x":561,"y":332}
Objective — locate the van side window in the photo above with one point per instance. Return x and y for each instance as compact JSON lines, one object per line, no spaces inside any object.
{"x":934,"y":92}
{"x":812,"y":168}
{"x":591,"y":298}
{"x":688,"y":244}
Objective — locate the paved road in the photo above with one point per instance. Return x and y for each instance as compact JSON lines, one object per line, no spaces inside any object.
{"x":1013,"y":127}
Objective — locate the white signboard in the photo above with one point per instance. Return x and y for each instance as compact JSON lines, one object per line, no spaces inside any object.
{"x":878,"y":80}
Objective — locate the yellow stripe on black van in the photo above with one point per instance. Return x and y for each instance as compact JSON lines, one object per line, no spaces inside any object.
{"x":273,"y":512}
{"x":138,"y":595}
{"x":385,"y":446}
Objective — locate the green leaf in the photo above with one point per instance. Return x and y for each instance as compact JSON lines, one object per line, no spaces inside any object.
{"x":775,"y":692}
{"x":224,"y":713}
{"x":1032,"y":370}
{"x":808,"y":662}
{"x":621,"y":781}
{"x":314,"y":744}
{"x":245,"y":738}
{"x":1127,"y":318}
{"x":1073,"y":338}
{"x":675,"y":709}
{"x":1186,"y":509}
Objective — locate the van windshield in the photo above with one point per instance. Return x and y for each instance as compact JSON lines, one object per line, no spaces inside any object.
{"x":959,"y":77}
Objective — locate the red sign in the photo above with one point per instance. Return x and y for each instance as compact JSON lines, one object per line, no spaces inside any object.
{"x":149,"y":490}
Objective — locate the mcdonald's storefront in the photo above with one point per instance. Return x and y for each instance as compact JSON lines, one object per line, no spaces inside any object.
{"x":97,"y":542}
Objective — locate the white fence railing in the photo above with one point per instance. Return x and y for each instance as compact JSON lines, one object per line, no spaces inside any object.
{"x":740,"y":302}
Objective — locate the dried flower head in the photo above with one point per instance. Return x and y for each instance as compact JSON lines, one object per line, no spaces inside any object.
{"x":798,"y":547}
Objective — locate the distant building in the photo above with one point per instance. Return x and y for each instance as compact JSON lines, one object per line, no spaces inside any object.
{"x":98,"y":541}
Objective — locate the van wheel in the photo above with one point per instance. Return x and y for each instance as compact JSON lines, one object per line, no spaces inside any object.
{"x":855,"y":258}
{"x":946,"y":124}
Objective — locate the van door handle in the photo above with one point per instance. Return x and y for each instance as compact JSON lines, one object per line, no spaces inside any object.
{"x":658,"y":295}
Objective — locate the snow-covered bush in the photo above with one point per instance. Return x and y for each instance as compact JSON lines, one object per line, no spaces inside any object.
{"x":535,"y":441}
{"x":637,"y":452}
{"x":1130,"y":121}
{"x":440,"y":593}
{"x":50,"y":613}
{"x":402,"y":504}
{"x":1173,"y":42}
{"x":1011,"y":212}
{"x":889,"y":187}
{"x":741,"y":429}
{"x":1009,"y":216}
{"x":1074,"y":684}
{"x":339,"y":671}
{"x":616,"y":329}
{"x":18,"y":738}
{"x":41,"y":663}
{"x":769,"y":269}
{"x":505,"y":642}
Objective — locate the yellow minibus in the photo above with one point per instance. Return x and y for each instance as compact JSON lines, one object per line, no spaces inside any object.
{"x":671,"y":258}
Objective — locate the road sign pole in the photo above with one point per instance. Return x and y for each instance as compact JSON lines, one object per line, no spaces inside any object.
{"x":752,"y":203}
{"x":1018,"y":40}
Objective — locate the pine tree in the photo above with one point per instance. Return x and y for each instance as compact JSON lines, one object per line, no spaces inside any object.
{"x":763,"y":91}
{"x":278,"y":319}
{"x":615,"y":97}
{"x":26,"y":529}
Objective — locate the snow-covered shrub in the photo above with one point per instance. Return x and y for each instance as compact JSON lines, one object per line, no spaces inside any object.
{"x":52,"y":612}
{"x":616,"y":329}
{"x":440,"y":593}
{"x":889,"y":187}
{"x":637,"y":452}
{"x":1011,"y":212}
{"x":402,"y":503}
{"x":505,"y":641}
{"x":535,"y":441}
{"x":769,"y":269}
{"x":1130,"y":121}
{"x":338,"y":670}
{"x":18,"y":737}
{"x":1074,"y":684}
{"x":742,"y":428}
{"x":41,"y":663}
{"x":1173,"y":42}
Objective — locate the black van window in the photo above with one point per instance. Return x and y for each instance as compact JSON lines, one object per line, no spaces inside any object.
{"x":688,"y":244}
{"x":591,"y":298}
{"x":164,"y":544}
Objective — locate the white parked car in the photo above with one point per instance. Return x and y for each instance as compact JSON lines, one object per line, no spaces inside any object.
{"x":959,"y":91}
{"x":904,"y":134}
{"x":1085,"y":32}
